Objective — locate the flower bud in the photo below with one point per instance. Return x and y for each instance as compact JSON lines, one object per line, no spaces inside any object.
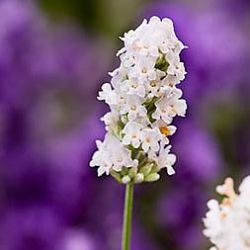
{"x":139,"y":178}
{"x":152,"y":177}
{"x":126,"y":179}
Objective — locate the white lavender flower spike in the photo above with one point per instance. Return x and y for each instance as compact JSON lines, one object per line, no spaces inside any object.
{"x":143,"y":99}
{"x":227,"y":224}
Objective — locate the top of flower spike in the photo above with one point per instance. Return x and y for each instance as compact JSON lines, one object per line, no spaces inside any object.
{"x":228,"y":224}
{"x":155,"y":33}
{"x":143,"y":99}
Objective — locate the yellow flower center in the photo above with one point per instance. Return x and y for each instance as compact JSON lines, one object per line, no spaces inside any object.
{"x":165,"y":131}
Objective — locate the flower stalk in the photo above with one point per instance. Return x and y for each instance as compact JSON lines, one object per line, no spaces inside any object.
{"x":127,"y":216}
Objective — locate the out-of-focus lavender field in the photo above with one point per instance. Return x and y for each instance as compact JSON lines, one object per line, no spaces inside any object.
{"x":54,"y":55}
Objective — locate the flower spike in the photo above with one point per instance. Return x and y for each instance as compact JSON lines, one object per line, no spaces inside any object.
{"x":144,"y":99}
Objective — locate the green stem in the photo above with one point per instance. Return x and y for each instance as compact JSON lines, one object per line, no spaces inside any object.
{"x":127,"y":217}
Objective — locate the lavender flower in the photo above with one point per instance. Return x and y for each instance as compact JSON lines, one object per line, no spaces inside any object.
{"x":144,"y":99}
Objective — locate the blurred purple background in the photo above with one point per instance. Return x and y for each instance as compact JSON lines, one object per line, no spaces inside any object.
{"x":54,"y":55}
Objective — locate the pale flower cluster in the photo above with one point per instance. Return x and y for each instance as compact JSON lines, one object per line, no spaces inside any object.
{"x":143,"y":99}
{"x":228,"y":223}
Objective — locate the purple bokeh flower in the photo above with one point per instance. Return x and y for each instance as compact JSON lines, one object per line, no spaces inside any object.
{"x":30,"y":228}
{"x":179,"y":213}
{"x":76,"y":239}
{"x":199,"y":154}
{"x":39,"y":227}
{"x":48,"y":126}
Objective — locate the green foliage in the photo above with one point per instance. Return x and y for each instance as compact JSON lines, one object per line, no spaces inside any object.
{"x":106,"y":17}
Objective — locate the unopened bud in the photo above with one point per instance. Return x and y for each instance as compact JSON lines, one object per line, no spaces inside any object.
{"x":132,"y":172}
{"x":139,"y":178}
{"x":145,"y":170}
{"x":152,"y":177}
{"x":126,"y":179}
